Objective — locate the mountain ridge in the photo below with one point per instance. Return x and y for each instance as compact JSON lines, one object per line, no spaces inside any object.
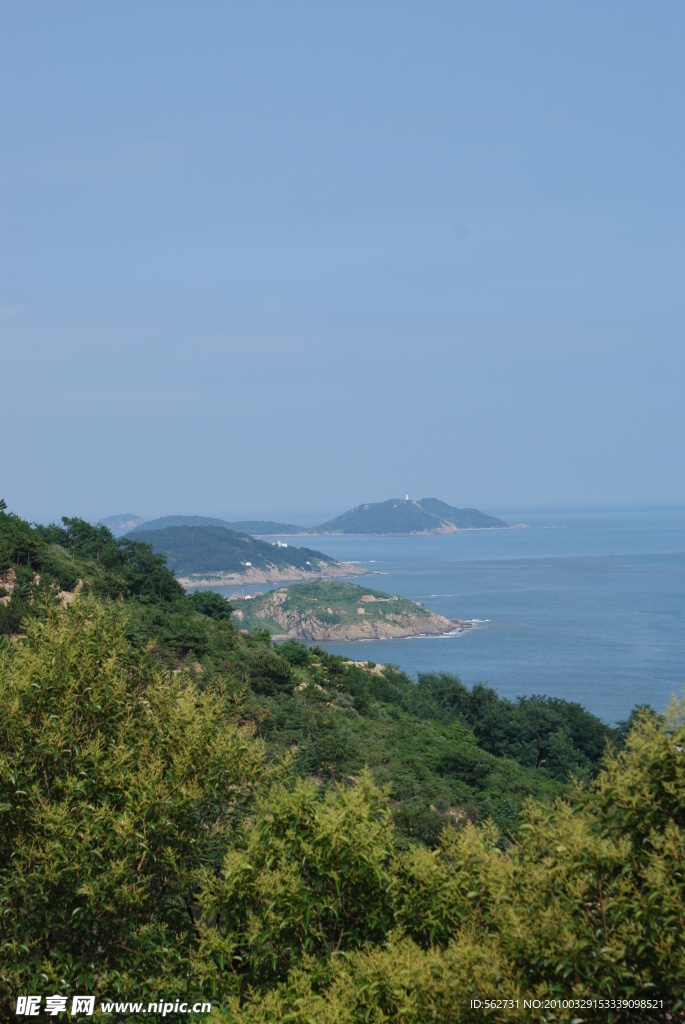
{"x":396,"y":516}
{"x":239,"y":526}
{"x":408,"y":516}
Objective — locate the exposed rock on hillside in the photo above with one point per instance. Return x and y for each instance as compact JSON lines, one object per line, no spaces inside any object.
{"x":341,"y":611}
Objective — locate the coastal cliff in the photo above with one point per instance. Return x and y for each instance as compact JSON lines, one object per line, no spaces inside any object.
{"x":340,"y":611}
{"x":272,"y":574}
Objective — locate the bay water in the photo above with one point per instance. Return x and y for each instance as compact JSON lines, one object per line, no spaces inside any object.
{"x":588,"y":606}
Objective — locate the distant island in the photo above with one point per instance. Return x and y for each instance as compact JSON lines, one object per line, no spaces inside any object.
{"x":405,"y":516}
{"x":121,"y":523}
{"x":339,"y":611}
{"x":260,"y":527}
{"x":395,"y":517}
{"x":216,"y":556}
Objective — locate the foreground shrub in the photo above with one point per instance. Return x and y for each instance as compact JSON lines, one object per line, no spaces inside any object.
{"x":116,"y":785}
{"x":311,"y":882}
{"x":146,"y":848}
{"x":588,"y":904}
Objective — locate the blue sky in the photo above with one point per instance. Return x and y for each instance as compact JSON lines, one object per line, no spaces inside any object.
{"x":267,"y":258}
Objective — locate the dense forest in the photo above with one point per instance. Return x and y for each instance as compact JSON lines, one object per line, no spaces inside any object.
{"x":187,"y":810}
{"x":214,"y":549}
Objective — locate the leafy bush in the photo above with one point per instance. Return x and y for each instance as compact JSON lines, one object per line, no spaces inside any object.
{"x":269,"y":674}
{"x":588,"y":904}
{"x":211,"y":604}
{"x":116,"y":786}
{"x":295,"y":653}
{"x":312,"y":880}
{"x":134,"y":856}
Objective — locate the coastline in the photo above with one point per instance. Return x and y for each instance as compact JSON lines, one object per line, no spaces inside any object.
{"x":414,"y":533}
{"x":314,"y":632}
{"x":310,"y":625}
{"x":342,"y":570}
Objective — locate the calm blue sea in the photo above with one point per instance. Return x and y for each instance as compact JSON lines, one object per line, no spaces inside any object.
{"x":589,"y":606}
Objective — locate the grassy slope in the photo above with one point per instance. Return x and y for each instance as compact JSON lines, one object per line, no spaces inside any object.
{"x":331,"y":603}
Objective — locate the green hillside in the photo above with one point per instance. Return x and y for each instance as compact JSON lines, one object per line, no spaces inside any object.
{"x":328,"y":610}
{"x":252,"y":526}
{"x":401,"y":516}
{"x":190,"y":550}
{"x":344,"y":598}
{"x":187,"y":812}
{"x":145,"y":526}
{"x":42,"y":567}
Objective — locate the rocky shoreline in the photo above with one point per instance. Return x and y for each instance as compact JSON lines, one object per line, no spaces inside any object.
{"x":312,"y":630}
{"x":273,"y":609}
{"x":445,"y":529}
{"x":341,"y":570}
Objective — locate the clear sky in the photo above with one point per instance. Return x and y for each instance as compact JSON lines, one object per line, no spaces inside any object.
{"x":266,"y":257}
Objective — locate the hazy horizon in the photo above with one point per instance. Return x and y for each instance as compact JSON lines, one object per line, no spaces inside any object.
{"x":312,"y":517}
{"x":264,"y":259}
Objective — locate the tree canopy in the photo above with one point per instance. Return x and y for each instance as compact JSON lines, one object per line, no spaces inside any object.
{"x":186,"y":809}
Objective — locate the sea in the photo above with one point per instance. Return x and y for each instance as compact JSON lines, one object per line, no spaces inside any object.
{"x":584,"y":605}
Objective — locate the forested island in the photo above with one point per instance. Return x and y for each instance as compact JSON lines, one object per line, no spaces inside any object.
{"x":189,"y":812}
{"x":397,"y":516}
{"x":339,"y":611}
{"x":202,"y":555}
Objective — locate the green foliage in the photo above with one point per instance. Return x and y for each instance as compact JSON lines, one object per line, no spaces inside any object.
{"x":42,"y":561}
{"x":424,"y":747}
{"x":311,"y":880}
{"x":588,"y":904}
{"x":324,"y":604}
{"x":209,"y":603}
{"x":18,"y":544}
{"x":116,"y":786}
{"x":446,"y":752}
{"x":145,"y":847}
{"x":534,"y":731}
{"x":214,"y":549}
{"x":295,"y":653}
{"x":268,"y":674}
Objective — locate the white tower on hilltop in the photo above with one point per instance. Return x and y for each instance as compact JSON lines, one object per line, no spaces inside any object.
{"x":406,"y":497}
